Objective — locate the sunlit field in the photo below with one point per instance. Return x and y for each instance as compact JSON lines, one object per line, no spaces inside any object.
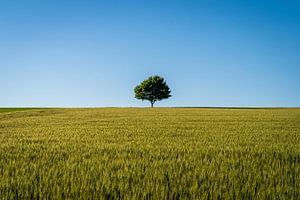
{"x":160,"y":153}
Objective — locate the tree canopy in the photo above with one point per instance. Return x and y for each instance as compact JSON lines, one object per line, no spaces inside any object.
{"x":152,"y":89}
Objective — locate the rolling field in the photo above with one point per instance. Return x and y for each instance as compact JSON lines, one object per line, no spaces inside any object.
{"x":160,"y":153}
{"x":15,"y":109}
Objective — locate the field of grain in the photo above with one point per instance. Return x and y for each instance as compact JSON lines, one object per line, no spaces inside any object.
{"x":160,"y":153}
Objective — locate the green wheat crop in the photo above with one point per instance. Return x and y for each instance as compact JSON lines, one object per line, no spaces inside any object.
{"x":160,"y":153}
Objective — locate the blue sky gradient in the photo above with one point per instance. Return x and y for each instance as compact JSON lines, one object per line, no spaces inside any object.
{"x":74,"y":53}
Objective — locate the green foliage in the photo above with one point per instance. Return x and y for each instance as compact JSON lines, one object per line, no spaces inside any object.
{"x":166,"y":153}
{"x":152,"y":89}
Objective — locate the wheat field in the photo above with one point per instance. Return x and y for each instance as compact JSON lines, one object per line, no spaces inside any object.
{"x":141,"y":153}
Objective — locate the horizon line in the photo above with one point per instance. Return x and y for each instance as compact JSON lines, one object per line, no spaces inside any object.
{"x":209,"y":107}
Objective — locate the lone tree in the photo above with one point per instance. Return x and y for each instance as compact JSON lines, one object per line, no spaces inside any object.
{"x":152,"y":89}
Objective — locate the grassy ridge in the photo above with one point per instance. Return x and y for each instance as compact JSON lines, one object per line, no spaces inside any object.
{"x":16,"y":109}
{"x":161,"y":153}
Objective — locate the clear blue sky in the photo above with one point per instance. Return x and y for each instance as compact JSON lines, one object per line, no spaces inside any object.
{"x":81,"y":53}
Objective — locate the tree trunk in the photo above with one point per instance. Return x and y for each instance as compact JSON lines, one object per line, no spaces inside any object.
{"x":152,"y":104}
